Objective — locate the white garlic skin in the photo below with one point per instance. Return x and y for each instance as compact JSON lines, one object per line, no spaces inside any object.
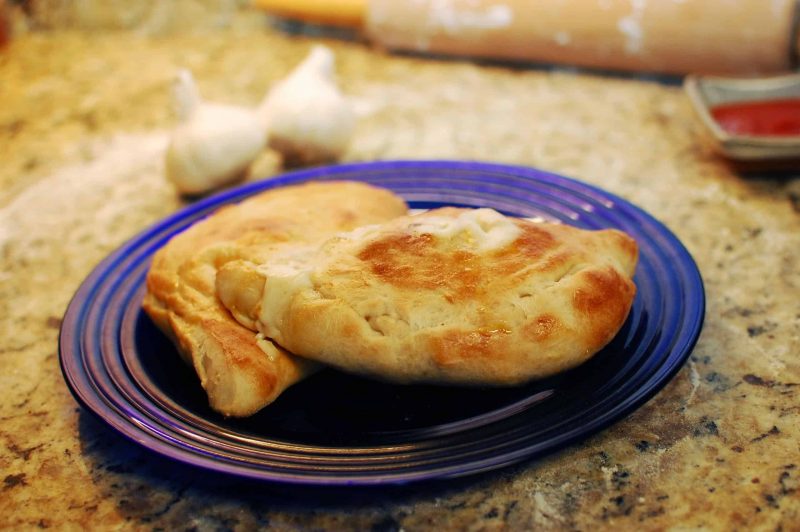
{"x":306,"y":116}
{"x":214,"y":143}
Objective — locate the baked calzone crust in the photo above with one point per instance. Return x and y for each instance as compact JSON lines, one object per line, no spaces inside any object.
{"x":241,"y":371}
{"x":453,"y":295}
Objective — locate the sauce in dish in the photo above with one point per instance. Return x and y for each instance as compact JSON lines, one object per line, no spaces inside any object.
{"x":760,"y":118}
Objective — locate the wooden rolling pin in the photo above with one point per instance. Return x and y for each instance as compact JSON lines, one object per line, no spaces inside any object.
{"x":671,"y":36}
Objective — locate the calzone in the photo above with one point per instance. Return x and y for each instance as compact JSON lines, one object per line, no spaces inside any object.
{"x":240,"y":370}
{"x":452,"y":295}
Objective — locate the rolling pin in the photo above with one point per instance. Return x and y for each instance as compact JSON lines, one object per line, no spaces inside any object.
{"x":743,"y":37}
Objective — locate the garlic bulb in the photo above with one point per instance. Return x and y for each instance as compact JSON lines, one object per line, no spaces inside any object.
{"x":213,"y":144}
{"x":306,"y":116}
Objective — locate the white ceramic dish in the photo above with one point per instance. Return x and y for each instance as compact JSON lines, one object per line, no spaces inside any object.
{"x":706,"y":92}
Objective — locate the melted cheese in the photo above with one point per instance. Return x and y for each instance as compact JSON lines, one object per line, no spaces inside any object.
{"x":482,"y":229}
{"x":286,"y":274}
{"x":267,"y":347}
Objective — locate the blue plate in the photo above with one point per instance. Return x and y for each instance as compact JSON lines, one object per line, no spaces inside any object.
{"x":339,"y":429}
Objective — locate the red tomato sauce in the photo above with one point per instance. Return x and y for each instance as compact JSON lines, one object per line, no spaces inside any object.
{"x":760,"y":118}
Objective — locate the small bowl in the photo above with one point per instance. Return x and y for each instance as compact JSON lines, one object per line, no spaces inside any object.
{"x":706,"y":92}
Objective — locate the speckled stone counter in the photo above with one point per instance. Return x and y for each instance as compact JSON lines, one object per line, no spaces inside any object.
{"x":84,"y":121}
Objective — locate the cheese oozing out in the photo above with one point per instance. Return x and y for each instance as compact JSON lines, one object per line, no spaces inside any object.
{"x":483,"y":229}
{"x":287,"y":273}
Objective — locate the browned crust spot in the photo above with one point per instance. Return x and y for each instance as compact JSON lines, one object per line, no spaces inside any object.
{"x":239,"y":350}
{"x":603,"y":304}
{"x":530,"y":246}
{"x":413,"y":262}
{"x":455,"y":346}
{"x":542,"y":327}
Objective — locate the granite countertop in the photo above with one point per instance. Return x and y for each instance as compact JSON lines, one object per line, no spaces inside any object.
{"x":84,"y":120}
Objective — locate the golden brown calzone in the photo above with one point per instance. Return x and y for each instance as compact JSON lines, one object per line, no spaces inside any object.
{"x":240,"y":371}
{"x":465,"y":296}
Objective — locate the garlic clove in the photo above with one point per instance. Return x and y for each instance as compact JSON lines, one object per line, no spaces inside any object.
{"x":306,"y":116}
{"x":213,"y":144}
{"x":185,"y":95}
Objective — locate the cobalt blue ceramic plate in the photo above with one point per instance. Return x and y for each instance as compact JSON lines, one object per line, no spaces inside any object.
{"x":339,"y":429}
